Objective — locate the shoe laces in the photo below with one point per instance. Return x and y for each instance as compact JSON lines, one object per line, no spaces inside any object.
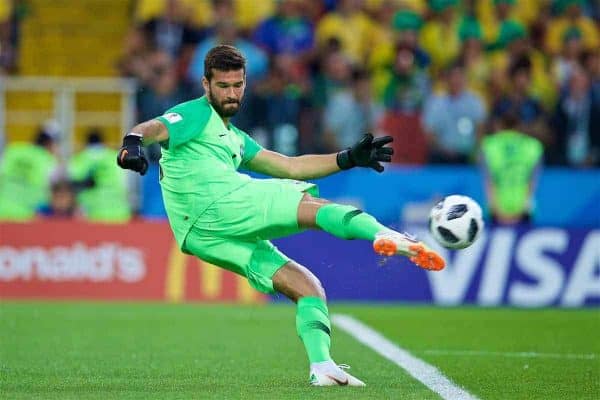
{"x":344,"y":366}
{"x":412,"y":238}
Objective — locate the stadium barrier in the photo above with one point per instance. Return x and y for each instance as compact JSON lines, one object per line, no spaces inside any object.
{"x":521,"y":267}
{"x":563,"y":197}
{"x":67,"y":107}
{"x":78,"y":260}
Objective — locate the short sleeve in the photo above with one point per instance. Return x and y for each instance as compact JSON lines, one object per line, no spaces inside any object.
{"x":186,"y":121}
{"x":251,"y":147}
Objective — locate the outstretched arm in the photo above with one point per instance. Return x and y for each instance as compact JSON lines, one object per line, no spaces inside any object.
{"x":367,"y":152}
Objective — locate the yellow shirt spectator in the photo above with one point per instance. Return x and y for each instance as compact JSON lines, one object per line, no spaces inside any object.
{"x":198,"y":11}
{"x":523,"y":11}
{"x":571,"y":18}
{"x":354,"y":32}
{"x":5,"y":10}
{"x":542,"y":83}
{"x":405,"y":28}
{"x":247,"y":13}
{"x":558,"y":28}
{"x":514,"y":35}
{"x":476,"y":63}
{"x":419,"y":6}
{"x":441,"y":41}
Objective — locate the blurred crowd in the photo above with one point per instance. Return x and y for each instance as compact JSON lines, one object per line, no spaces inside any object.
{"x":507,"y":84}
{"x":438,"y":75}
{"x":35,"y":181}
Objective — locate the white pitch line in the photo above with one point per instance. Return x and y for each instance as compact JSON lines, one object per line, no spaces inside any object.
{"x":521,"y":354}
{"x":427,"y":374}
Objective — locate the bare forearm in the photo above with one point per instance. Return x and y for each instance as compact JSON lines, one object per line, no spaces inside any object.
{"x":151,"y":131}
{"x":312,"y":166}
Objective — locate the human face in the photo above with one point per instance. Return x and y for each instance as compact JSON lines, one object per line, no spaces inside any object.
{"x":225,"y":91}
{"x":456,"y":81}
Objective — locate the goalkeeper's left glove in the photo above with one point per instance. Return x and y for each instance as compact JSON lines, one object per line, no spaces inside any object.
{"x":367,"y":152}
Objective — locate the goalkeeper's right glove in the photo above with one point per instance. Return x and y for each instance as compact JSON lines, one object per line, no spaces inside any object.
{"x":131,"y":156}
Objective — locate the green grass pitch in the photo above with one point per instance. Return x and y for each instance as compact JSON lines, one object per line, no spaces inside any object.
{"x":143,"y":351}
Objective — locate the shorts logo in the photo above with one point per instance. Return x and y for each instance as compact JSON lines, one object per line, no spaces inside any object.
{"x":173,"y":117}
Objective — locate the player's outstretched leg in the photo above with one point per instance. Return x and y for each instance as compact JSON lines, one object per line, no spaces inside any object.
{"x":348,"y":222}
{"x":312,"y":324}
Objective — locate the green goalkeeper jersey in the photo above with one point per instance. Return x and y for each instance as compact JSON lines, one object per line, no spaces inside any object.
{"x":199,"y":162}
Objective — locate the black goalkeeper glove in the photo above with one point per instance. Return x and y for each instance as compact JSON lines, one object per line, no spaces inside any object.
{"x":131,"y":156}
{"x":367,"y":152}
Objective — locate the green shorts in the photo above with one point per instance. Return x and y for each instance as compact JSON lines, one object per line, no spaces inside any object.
{"x":234,"y":232}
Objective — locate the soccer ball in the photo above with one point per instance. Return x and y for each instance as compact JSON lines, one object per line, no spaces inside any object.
{"x":456,"y":222}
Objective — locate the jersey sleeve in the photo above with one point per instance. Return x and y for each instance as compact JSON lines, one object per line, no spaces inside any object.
{"x":185,"y":121}
{"x":251,"y":148}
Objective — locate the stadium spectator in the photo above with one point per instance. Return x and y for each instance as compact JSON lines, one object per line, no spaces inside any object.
{"x":518,"y":101}
{"x":11,"y":12}
{"x":26,"y":170}
{"x":350,"y":113}
{"x":510,"y":161}
{"x":576,"y":123}
{"x":334,"y":74}
{"x":406,"y":25}
{"x":137,"y":52}
{"x":494,"y":14}
{"x":288,"y":32}
{"x":440,"y":35}
{"x":275,"y":107}
{"x":571,"y":17}
{"x":381,"y":14}
{"x":453,"y":119}
{"x":472,"y":55}
{"x":567,"y":60}
{"x":351,"y":27}
{"x":404,"y":86}
{"x":514,"y":45}
{"x":103,"y":186}
{"x":590,"y":60}
{"x":248,"y":14}
{"x":62,"y":202}
{"x":226,"y":32}
{"x":502,"y":12}
{"x":172,"y":33}
{"x":161,"y":88}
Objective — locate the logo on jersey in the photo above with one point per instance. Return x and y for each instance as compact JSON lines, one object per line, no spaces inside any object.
{"x":173,"y":117}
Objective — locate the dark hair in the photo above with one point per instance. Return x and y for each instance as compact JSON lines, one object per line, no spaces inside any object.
{"x":60,"y":186}
{"x":359,"y":74}
{"x":95,"y":136}
{"x":457,"y":64}
{"x":223,"y":58}
{"x":521,"y":64}
{"x":44,"y":138}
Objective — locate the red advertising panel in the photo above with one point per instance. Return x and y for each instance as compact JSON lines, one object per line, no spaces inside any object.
{"x":136,"y":261}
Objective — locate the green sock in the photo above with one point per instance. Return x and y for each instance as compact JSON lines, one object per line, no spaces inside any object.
{"x":313,"y":327}
{"x":347,"y":222}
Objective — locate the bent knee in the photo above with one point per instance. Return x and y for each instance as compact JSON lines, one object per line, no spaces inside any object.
{"x":296,"y":281}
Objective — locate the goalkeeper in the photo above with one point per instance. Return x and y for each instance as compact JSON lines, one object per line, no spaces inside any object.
{"x":227,"y":218}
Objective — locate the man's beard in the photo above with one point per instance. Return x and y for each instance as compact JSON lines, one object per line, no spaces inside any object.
{"x":221,"y":110}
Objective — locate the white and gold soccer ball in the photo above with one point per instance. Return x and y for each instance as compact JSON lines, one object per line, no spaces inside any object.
{"x":456,"y":222}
